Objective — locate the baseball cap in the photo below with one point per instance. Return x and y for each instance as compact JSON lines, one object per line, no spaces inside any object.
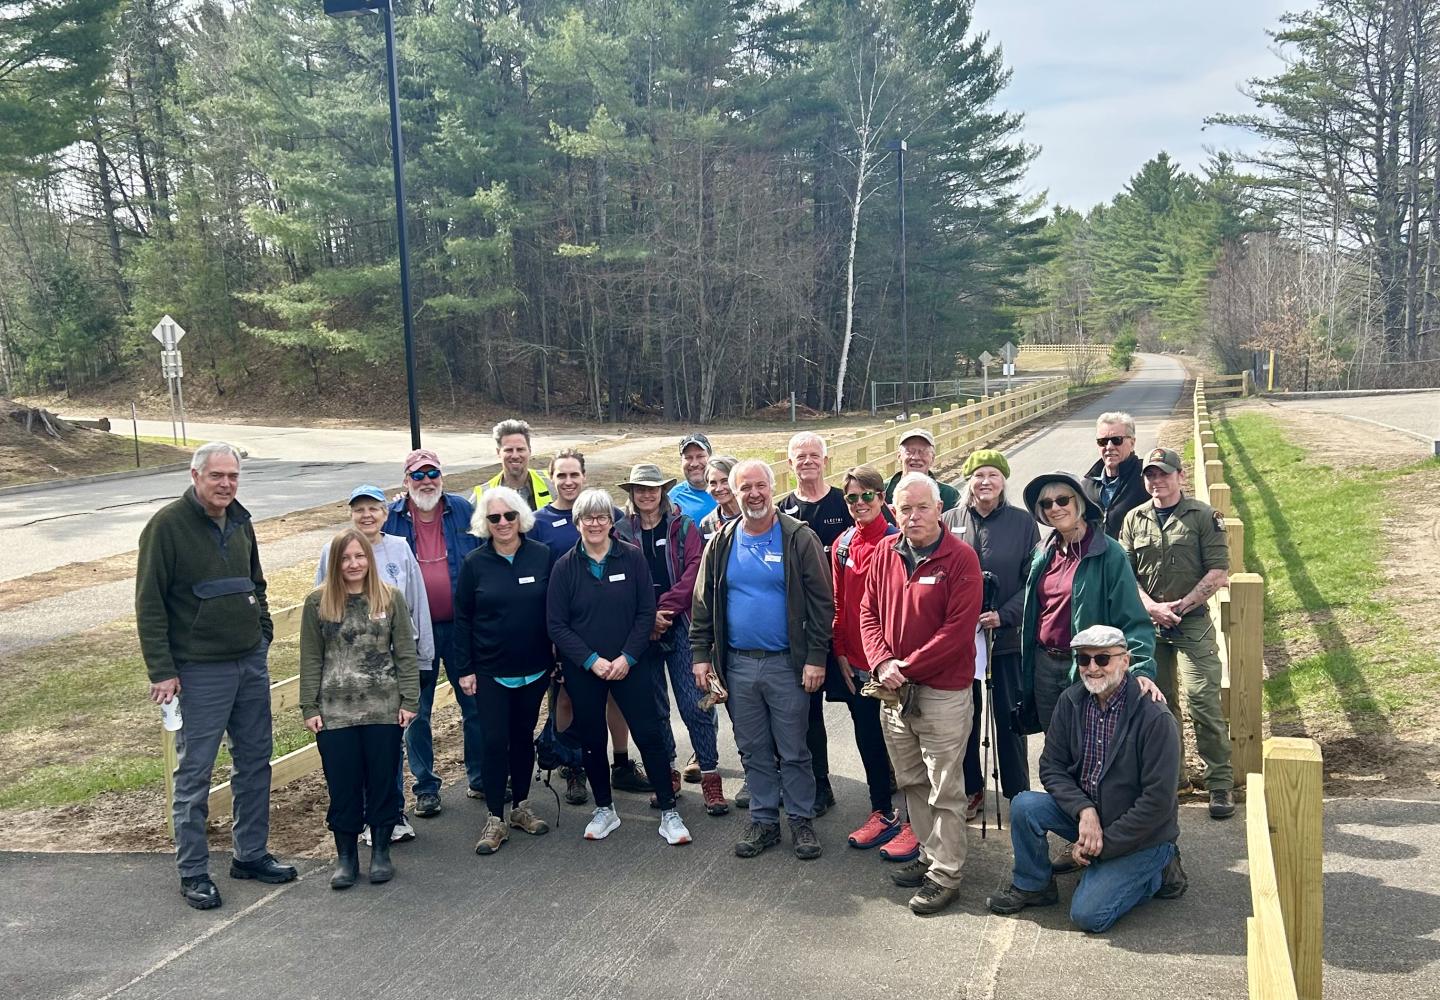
{"x":1164,"y":458}
{"x":918,"y":432}
{"x":419,"y":458}
{"x":1099,"y":637}
{"x":696,"y":438}
{"x":367,"y":491}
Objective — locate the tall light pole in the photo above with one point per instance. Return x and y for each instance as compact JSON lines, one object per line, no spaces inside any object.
{"x":899,"y":147}
{"x":355,"y":8}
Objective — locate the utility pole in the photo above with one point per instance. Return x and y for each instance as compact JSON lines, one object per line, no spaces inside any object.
{"x":899,"y":146}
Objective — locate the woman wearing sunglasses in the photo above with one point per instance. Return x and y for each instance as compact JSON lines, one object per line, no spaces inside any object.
{"x":1078,"y":577}
{"x":503,"y":656}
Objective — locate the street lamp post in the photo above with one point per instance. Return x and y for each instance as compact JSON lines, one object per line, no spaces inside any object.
{"x":898,"y":146}
{"x":355,"y":8}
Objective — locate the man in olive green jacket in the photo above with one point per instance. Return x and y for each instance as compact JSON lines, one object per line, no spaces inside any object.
{"x":205,"y":632}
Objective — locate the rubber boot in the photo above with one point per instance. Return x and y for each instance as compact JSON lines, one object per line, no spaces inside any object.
{"x":381,"y":869}
{"x":347,"y":861}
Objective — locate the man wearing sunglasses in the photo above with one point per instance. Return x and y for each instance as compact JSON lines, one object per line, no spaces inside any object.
{"x":436,"y":526}
{"x":1108,"y":767}
{"x":1118,"y":482}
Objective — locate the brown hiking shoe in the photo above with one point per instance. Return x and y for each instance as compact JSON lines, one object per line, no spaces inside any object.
{"x":714,"y":793}
{"x":492,"y":836}
{"x":692,"y":774}
{"x":521,"y":818}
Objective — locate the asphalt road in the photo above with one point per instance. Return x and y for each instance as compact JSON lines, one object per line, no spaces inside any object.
{"x":1415,"y":412}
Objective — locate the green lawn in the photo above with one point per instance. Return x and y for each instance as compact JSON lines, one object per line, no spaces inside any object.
{"x":1314,"y":533}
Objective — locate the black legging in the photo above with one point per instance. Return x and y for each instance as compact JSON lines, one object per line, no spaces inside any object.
{"x":1009,"y":748}
{"x":870,"y":741}
{"x":816,"y":739}
{"x":507,"y":719}
{"x":635,"y":694}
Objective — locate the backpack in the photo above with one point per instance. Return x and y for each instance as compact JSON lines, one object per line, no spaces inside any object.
{"x":555,"y":749}
{"x":842,"y":544}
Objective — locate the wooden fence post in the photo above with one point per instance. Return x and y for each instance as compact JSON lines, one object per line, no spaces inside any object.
{"x":1220,"y":498}
{"x":1235,"y":542}
{"x":1247,"y":671}
{"x":1292,"y":802}
{"x":1214,"y":470}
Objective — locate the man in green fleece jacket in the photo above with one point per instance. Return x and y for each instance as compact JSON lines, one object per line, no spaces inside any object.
{"x":205,"y":632}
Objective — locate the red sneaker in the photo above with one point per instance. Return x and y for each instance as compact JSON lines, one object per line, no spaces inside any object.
{"x":904,"y":847}
{"x":974,"y":804}
{"x":878,"y":829}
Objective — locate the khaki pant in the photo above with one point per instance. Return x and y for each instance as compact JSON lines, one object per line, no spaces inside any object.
{"x":1192,"y":661}
{"x":928,"y":751}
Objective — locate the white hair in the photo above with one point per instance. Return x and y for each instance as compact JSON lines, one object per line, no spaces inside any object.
{"x":1116,"y":417}
{"x":593,"y":501}
{"x":917,"y":479}
{"x":205,"y":452}
{"x":746,"y":466}
{"x":480,"y":525}
{"x":804,"y":438}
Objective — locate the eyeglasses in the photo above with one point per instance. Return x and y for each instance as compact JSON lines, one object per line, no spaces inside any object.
{"x":419,"y":475}
{"x":868,"y":496}
{"x":508,"y":515}
{"x":595,"y":519}
{"x":1117,"y":440}
{"x":1049,"y":502}
{"x":1100,"y":659}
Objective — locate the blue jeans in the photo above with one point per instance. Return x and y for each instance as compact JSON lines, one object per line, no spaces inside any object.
{"x":700,"y":725}
{"x":419,"y":742}
{"x":1109,"y":887}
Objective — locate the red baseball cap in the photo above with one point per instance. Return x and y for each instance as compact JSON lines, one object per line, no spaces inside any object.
{"x":419,"y":458}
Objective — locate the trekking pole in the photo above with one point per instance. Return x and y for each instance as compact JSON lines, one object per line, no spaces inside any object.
{"x":994,"y":724}
{"x":987,"y":721}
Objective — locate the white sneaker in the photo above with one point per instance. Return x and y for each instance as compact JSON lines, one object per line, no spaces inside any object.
{"x":402,"y":833}
{"x":672,"y":828}
{"x":604,"y":822}
{"x":365,"y":836}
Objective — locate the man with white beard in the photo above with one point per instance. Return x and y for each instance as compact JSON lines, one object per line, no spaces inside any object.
{"x":436,"y":525}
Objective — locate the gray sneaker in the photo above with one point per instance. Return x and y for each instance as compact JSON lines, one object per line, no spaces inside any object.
{"x":756,"y":838}
{"x":802,"y":835}
{"x":1222,"y":804}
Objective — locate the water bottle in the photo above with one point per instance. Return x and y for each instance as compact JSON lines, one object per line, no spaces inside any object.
{"x":170,"y":715}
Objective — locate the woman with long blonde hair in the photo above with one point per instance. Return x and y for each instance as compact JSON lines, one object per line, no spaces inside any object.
{"x":359,"y":687}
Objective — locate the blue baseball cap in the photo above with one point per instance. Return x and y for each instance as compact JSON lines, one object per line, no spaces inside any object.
{"x":367,"y":492}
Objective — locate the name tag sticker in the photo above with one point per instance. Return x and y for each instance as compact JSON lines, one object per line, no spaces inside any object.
{"x":849,"y":563}
{"x":661,"y":543}
{"x":926,"y":580}
{"x":252,"y":598}
{"x":378,"y":618}
{"x":616,"y":577}
{"x":527,"y":579}
{"x":773,"y":557}
{"x":957,"y":531}
{"x":561,"y":523}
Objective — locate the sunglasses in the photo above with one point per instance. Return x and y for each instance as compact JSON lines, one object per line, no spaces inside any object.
{"x":1117,"y":440}
{"x":1049,"y":502}
{"x":1100,"y":659}
{"x":419,"y":475}
{"x":868,"y":496}
{"x":508,"y":515}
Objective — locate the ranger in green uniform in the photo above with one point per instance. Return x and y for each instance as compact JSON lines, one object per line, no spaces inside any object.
{"x":1178,"y":551}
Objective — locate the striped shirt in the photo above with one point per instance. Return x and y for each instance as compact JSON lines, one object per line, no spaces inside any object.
{"x":1098,"y":734}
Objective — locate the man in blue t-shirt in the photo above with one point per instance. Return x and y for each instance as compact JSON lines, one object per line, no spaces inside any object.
{"x":691,"y":496}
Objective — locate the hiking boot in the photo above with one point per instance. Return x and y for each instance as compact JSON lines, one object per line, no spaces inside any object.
{"x":824,"y":796}
{"x":674,"y":789}
{"x":381,"y":867}
{"x":1013,"y":899}
{"x":492,"y":836}
{"x":1063,"y":863}
{"x":347,"y":861}
{"x":974,"y":804}
{"x":474,"y":793}
{"x":692,"y":774}
{"x":603,"y":822}
{"x":403,"y":832}
{"x":714,"y":792}
{"x":910,"y":876}
{"x":742,"y":797}
{"x":522,"y":818}
{"x":575,"y":791}
{"x":802,"y":835}
{"x":756,"y":838}
{"x":427,"y":804}
{"x":904,"y":847}
{"x":263,"y":869}
{"x":1222,"y":804}
{"x":932,"y":897}
{"x":1173,"y":881}
{"x":628,"y":776}
{"x":673,"y":828}
{"x":878,"y":829}
{"x":200,"y":892}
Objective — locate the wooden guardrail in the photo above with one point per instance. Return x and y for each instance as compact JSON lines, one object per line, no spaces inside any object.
{"x":1099,"y":350}
{"x":1285,"y":935}
{"x":1230,"y":386}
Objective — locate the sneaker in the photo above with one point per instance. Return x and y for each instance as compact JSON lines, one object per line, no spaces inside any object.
{"x":905,"y":846}
{"x":575,"y":791}
{"x":402,"y":834}
{"x":932,"y":897}
{"x":1173,"y":881}
{"x":824,"y":796}
{"x":1013,"y":899}
{"x":672,"y":828}
{"x":603,"y":822}
{"x":1222,"y":804}
{"x":742,"y":797}
{"x":365,"y":836}
{"x":911,"y":875}
{"x":674,"y":789}
{"x":692,"y":774}
{"x":714,"y":791}
{"x":974,"y":804}
{"x":427,"y":804}
{"x":492,"y":836}
{"x":474,"y":793}
{"x":522,"y":818}
{"x":802,"y":835}
{"x":200,"y":892}
{"x":628,"y":776}
{"x":756,"y":838}
{"x":878,"y":829}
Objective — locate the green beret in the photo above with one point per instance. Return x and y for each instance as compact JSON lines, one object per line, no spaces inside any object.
{"x":985,"y":456}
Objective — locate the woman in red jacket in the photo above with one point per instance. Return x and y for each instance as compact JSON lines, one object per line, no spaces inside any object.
{"x":864,"y":490}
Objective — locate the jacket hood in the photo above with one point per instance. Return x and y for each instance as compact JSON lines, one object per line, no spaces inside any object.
{"x":1084,"y":487}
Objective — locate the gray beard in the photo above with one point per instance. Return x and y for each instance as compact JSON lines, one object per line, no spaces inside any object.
{"x":753,"y":515}
{"x":1102,"y":686}
{"x":425,"y":504}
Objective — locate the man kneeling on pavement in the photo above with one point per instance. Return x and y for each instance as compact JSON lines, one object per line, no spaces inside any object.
{"x":1109,"y":767}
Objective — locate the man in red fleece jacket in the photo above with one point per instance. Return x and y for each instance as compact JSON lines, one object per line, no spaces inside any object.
{"x":917,"y":620}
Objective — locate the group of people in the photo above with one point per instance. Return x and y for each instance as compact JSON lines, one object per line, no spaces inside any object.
{"x":907,"y":599}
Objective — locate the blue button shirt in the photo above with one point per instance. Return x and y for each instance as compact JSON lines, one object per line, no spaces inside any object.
{"x":755,"y":612}
{"x":692,"y":502}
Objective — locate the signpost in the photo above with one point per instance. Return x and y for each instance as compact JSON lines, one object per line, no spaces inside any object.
{"x":1009,"y":352}
{"x":986,"y":360}
{"x":172,"y":367}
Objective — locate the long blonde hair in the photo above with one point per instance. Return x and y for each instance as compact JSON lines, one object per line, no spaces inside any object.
{"x":332,"y":589}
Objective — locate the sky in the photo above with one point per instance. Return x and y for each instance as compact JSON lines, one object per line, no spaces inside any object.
{"x":1107,"y":84}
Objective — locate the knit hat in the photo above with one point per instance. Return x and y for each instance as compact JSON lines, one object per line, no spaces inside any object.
{"x":984,"y":457}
